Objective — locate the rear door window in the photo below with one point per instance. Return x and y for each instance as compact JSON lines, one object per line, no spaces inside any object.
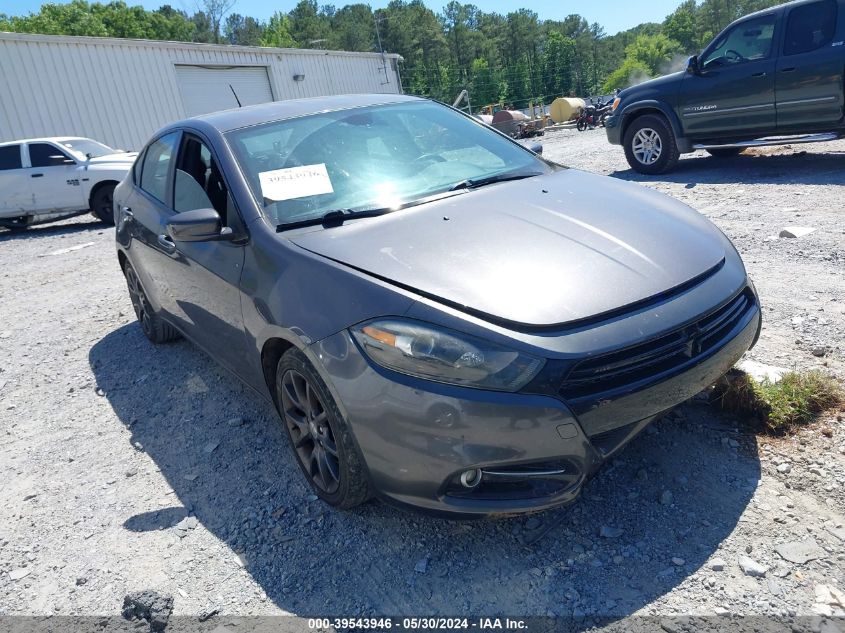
{"x":10,"y":157}
{"x":810,"y":27}
{"x":156,"y":168}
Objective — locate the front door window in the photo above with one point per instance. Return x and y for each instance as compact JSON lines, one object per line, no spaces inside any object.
{"x":748,"y":41}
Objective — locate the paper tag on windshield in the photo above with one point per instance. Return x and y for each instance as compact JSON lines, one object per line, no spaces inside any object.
{"x":295,"y":182}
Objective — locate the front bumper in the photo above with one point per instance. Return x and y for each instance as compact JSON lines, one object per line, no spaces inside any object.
{"x":613,"y":129}
{"x":417,"y":437}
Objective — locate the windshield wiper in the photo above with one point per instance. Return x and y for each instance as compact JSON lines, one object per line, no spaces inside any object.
{"x":336,"y":217}
{"x":472,"y":183}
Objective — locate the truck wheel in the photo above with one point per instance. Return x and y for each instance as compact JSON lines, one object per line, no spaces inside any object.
{"x":650,"y":145}
{"x":319,"y":435}
{"x":102,"y":203}
{"x":725,"y":152}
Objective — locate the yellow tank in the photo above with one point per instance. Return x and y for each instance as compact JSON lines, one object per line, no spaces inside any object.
{"x":565,"y":109}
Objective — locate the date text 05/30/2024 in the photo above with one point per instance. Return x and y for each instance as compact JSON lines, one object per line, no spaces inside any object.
{"x":417,"y":624}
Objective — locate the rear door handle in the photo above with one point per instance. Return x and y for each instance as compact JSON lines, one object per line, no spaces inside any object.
{"x":166,"y":244}
{"x":760,"y":74}
{"x":788,"y":70}
{"x":36,"y":175}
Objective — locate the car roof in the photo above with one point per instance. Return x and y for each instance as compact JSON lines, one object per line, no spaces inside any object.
{"x":227,"y":120}
{"x":48,"y":139}
{"x":775,"y":9}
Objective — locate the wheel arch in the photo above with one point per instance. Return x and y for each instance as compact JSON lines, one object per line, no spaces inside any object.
{"x":271,"y":353}
{"x":97,"y":187}
{"x":641,"y":108}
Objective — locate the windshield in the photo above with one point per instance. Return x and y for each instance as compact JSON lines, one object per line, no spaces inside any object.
{"x":370,"y":158}
{"x":84,"y":146}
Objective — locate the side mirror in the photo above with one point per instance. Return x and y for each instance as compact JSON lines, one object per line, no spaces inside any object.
{"x":537,"y":148}
{"x":692,"y":65}
{"x":198,"y":225}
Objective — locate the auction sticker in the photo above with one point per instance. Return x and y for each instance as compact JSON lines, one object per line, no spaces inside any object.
{"x":295,"y":182}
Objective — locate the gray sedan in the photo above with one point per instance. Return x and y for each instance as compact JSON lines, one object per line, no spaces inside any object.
{"x":442,"y":318}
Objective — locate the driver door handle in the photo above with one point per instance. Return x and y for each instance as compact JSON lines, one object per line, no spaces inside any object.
{"x":788,"y":70}
{"x":762,"y":73}
{"x":166,"y":244}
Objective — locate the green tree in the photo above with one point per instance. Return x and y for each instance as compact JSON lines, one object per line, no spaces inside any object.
{"x":242,"y":30}
{"x":630,"y":73}
{"x":74,"y":18}
{"x":352,"y":28}
{"x":309,"y":27}
{"x":682,"y":26}
{"x":653,"y":51}
{"x":557,"y":65}
{"x":277,"y":32}
{"x":485,"y":87}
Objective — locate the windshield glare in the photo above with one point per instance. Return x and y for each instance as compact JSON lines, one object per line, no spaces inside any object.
{"x":369,"y":158}
{"x":82,"y":147}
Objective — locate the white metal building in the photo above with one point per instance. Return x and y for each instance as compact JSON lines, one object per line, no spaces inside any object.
{"x":120,"y":91}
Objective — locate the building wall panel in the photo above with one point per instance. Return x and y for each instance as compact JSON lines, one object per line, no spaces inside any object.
{"x":121,"y":91}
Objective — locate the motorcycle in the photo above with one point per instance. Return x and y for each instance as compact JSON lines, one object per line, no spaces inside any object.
{"x":594,"y":115}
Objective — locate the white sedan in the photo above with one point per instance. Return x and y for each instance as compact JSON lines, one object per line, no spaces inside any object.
{"x":47,"y":179}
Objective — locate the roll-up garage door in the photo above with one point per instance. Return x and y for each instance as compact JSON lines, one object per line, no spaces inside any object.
{"x":210,"y":88}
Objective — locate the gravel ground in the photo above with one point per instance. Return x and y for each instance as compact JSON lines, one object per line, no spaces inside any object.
{"x":129,"y":467}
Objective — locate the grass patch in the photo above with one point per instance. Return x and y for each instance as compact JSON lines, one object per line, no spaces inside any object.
{"x":799,"y":397}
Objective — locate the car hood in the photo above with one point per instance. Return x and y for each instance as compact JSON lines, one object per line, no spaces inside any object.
{"x":123,"y":158}
{"x":546,"y":250}
{"x":655,"y":86}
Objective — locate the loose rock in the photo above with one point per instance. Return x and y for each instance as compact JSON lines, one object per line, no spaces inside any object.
{"x":148,"y":605}
{"x":18,"y":574}
{"x":800,"y":552}
{"x":795,"y":231}
{"x":610,"y":532}
{"x":751,"y":567}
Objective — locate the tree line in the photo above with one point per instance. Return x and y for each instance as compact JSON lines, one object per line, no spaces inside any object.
{"x":515,"y":58}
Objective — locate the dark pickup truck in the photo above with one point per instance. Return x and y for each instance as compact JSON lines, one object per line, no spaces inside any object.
{"x":773,"y":77}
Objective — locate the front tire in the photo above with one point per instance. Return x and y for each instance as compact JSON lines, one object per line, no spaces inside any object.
{"x":102,"y":203}
{"x":650,"y":145}
{"x":319,"y":436}
{"x":152,"y":325}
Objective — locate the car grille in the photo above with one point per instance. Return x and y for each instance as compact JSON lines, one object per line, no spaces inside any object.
{"x":657,"y":357}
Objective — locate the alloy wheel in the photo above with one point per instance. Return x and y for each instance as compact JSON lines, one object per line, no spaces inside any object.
{"x":139,"y":301}
{"x":313,"y":438}
{"x":647,"y":146}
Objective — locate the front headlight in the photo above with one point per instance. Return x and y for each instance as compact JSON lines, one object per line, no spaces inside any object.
{"x":429,"y":352}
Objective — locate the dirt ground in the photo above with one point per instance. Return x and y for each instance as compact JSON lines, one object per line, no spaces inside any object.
{"x":130,"y":467}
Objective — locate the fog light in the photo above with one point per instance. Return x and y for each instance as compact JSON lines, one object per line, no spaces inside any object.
{"x":471,"y":478}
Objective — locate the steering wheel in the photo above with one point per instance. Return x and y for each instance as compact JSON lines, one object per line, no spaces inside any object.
{"x":436,"y":158}
{"x":734,"y":56}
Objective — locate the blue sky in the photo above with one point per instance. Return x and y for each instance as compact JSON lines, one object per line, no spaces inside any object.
{"x":614,"y":15}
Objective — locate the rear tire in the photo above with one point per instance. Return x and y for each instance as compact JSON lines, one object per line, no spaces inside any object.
{"x":650,"y":145}
{"x":725,"y":152}
{"x":320,"y":438}
{"x":153,"y":326}
{"x":102,"y":203}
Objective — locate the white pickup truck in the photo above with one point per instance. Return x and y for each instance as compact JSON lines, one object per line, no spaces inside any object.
{"x":47,"y":179}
